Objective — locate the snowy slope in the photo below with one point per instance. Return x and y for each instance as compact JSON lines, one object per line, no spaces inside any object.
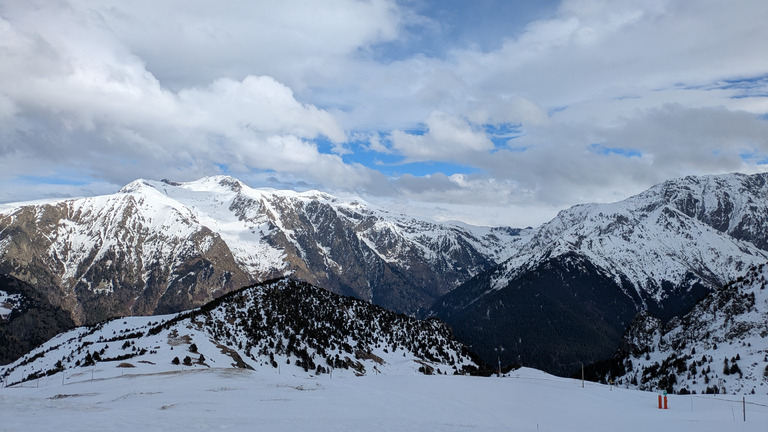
{"x":242,"y":400}
{"x":720,"y":346}
{"x":245,"y":217}
{"x":284,"y":324}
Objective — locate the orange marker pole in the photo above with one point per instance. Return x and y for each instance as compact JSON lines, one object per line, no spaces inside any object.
{"x":659,"y":401}
{"x":665,"y":403}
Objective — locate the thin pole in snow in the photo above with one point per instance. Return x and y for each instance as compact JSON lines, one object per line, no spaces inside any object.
{"x":582,"y":375}
{"x":744,"y":407}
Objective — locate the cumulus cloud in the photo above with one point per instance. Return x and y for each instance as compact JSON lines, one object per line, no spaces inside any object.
{"x":75,"y":98}
{"x":447,"y":139}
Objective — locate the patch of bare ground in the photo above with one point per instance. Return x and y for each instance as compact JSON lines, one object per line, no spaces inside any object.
{"x":368,"y":355}
{"x":175,"y":340}
{"x":64,"y":396}
{"x":239,"y":363}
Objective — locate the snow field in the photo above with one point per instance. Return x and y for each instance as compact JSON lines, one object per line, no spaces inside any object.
{"x":236,"y":399}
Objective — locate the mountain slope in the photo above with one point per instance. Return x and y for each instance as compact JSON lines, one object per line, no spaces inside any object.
{"x":26,"y":319}
{"x":552,"y":317}
{"x":124,"y":254}
{"x":661,"y":250}
{"x":718,"y":347}
{"x":281,"y":324}
{"x":704,"y":229}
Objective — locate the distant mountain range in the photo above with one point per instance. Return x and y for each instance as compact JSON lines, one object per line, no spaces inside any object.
{"x":282,"y":324}
{"x":551,"y":297}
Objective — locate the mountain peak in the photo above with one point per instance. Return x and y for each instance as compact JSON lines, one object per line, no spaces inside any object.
{"x":137,"y":186}
{"x":224,"y":182}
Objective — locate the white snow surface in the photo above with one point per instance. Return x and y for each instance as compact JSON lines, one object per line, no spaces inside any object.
{"x":241,"y":400}
{"x":8,"y":303}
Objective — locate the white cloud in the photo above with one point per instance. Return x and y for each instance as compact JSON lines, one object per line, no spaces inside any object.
{"x":122,"y":90}
{"x":447,"y":139}
{"x":258,"y":104}
{"x":88,"y":104}
{"x":293,"y":40}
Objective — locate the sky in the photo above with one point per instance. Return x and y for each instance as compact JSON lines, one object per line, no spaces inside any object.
{"x":489,"y":112}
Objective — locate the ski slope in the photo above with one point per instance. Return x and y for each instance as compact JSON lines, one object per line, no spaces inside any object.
{"x":200,"y":398}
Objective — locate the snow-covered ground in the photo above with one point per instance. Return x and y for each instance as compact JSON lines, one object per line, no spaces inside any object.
{"x":236,"y":399}
{"x":7,"y":303}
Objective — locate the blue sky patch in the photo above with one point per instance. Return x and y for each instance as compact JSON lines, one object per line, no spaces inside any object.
{"x":56,"y":180}
{"x":603,"y":150}
{"x":754,"y":157}
{"x":501,"y":133}
{"x":483,"y":24}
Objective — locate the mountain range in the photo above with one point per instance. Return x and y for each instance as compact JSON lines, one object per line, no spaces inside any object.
{"x":568,"y":294}
{"x":159,"y":247}
{"x":550,"y":297}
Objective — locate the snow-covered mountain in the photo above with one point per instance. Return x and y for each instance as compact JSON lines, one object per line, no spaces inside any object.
{"x":281,"y":324}
{"x":705,"y":230}
{"x":718,"y":347}
{"x":552,"y":297}
{"x":584,"y":275}
{"x":160,"y":247}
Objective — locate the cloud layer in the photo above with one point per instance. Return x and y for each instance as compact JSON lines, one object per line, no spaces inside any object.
{"x":591,"y":101}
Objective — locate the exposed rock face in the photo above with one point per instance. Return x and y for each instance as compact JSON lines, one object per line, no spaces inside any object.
{"x":661,"y":251}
